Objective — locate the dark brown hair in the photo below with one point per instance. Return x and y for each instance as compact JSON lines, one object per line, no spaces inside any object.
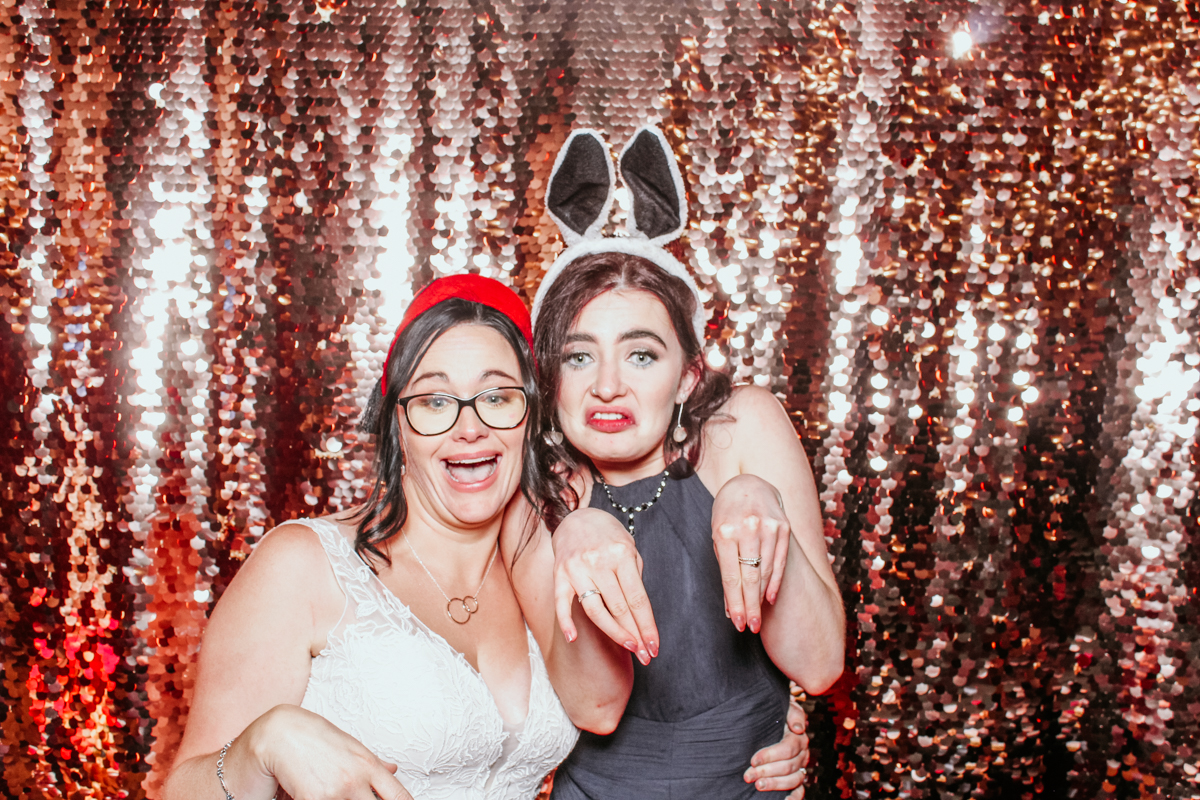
{"x":582,"y":281}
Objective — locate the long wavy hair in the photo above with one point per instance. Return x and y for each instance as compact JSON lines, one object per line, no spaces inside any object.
{"x":583,"y":281}
{"x":386,"y":508}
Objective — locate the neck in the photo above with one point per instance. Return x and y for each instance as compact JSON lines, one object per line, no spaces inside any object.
{"x":619,"y":473}
{"x":458,"y":549}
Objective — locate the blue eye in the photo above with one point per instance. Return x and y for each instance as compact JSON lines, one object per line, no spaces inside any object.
{"x":577,"y":359}
{"x":498,"y":399}
{"x":433,"y":402}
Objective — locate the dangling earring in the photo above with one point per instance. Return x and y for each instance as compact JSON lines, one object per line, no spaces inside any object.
{"x":552,"y":437}
{"x":680,"y":433}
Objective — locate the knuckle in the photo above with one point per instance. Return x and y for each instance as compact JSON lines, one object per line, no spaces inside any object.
{"x":618,"y":550}
{"x":731,"y":581}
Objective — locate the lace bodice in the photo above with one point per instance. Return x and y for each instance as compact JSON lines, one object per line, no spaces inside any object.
{"x":404,"y":692}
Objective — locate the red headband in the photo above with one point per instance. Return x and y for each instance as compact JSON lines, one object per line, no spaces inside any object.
{"x":474,"y":288}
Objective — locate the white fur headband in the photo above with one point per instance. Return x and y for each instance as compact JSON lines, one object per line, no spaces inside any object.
{"x":580,"y":195}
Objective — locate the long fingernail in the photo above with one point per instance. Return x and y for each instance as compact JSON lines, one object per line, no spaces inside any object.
{"x":631,"y":646}
{"x":643,"y":657}
{"x":754,"y":623}
{"x":653,"y":645}
{"x":739,"y":622}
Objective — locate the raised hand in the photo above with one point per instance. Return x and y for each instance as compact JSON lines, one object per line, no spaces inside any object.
{"x":596,"y":561}
{"x":750,"y":536}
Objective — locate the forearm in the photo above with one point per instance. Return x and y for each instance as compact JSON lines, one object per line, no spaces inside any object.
{"x":592,"y":676}
{"x":804,"y":631}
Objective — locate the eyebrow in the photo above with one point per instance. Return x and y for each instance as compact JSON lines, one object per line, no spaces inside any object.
{"x":636,"y":333}
{"x":642,"y":333}
{"x":491,"y":373}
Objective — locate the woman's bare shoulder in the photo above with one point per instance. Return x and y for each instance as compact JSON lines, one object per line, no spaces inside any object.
{"x":288,"y":557}
{"x":750,"y":418}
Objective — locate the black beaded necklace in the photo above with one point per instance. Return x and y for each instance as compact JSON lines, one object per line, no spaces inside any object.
{"x":630,"y":511}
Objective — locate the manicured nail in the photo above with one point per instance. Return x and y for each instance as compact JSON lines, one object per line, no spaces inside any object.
{"x":772,"y":597}
{"x":653,"y":645}
{"x":739,"y":622}
{"x":643,"y":657}
{"x":572,"y":636}
{"x":754,"y":623}
{"x":631,"y":646}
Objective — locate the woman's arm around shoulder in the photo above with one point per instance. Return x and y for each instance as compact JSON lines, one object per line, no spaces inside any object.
{"x":253,"y":669}
{"x":752,"y":448}
{"x":591,"y":675}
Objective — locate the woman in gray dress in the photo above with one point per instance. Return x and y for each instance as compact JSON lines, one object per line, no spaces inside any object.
{"x":685,"y":518}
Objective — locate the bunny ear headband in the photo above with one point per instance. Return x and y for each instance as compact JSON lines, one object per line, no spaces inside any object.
{"x":580,"y":196}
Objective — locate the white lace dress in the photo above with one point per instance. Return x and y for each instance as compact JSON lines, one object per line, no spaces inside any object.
{"x":413,"y":700}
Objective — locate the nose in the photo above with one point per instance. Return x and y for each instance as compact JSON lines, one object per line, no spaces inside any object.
{"x":609,"y":382}
{"x":469,"y":427}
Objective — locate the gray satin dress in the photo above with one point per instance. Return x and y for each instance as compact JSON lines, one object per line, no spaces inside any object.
{"x":711,"y":698}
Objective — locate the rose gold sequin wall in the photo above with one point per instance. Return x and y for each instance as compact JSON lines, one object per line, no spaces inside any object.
{"x":958,"y":239}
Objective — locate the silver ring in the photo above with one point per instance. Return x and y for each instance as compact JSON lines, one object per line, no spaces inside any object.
{"x":750,"y":562}
{"x":588,"y":594}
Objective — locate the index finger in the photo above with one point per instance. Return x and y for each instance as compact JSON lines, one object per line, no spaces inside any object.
{"x":385,"y":785}
{"x":630,"y":579}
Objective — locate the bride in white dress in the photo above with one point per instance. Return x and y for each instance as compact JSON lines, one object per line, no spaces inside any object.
{"x":380,"y":653}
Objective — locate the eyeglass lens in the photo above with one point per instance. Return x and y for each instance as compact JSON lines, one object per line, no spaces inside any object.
{"x":430,"y":414}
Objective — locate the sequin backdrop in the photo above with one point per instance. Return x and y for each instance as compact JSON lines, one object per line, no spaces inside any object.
{"x":957,"y":239}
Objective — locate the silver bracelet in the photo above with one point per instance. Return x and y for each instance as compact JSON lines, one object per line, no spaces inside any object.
{"x":221,"y":770}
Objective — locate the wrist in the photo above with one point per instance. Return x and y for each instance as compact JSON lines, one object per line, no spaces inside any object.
{"x":221,"y":770}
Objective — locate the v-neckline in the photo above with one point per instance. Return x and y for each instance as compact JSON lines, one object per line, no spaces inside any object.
{"x":396,"y":603}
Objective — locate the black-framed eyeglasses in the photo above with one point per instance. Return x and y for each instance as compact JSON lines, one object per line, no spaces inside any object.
{"x":502,"y":408}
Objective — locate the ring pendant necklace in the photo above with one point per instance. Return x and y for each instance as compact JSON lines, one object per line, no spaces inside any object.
{"x":628,"y":510}
{"x":468,"y":604}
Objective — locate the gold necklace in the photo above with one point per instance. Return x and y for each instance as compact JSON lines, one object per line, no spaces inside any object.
{"x":469,"y":604}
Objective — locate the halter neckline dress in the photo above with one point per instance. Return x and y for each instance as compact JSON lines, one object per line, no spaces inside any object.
{"x":711,"y":698}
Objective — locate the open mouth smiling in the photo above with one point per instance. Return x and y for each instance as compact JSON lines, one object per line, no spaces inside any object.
{"x":472,"y":469}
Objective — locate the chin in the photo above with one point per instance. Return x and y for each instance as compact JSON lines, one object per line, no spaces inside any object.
{"x":480,"y":506}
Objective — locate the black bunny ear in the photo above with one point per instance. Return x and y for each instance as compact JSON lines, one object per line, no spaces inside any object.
{"x":581,"y":186}
{"x":655,"y":187}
